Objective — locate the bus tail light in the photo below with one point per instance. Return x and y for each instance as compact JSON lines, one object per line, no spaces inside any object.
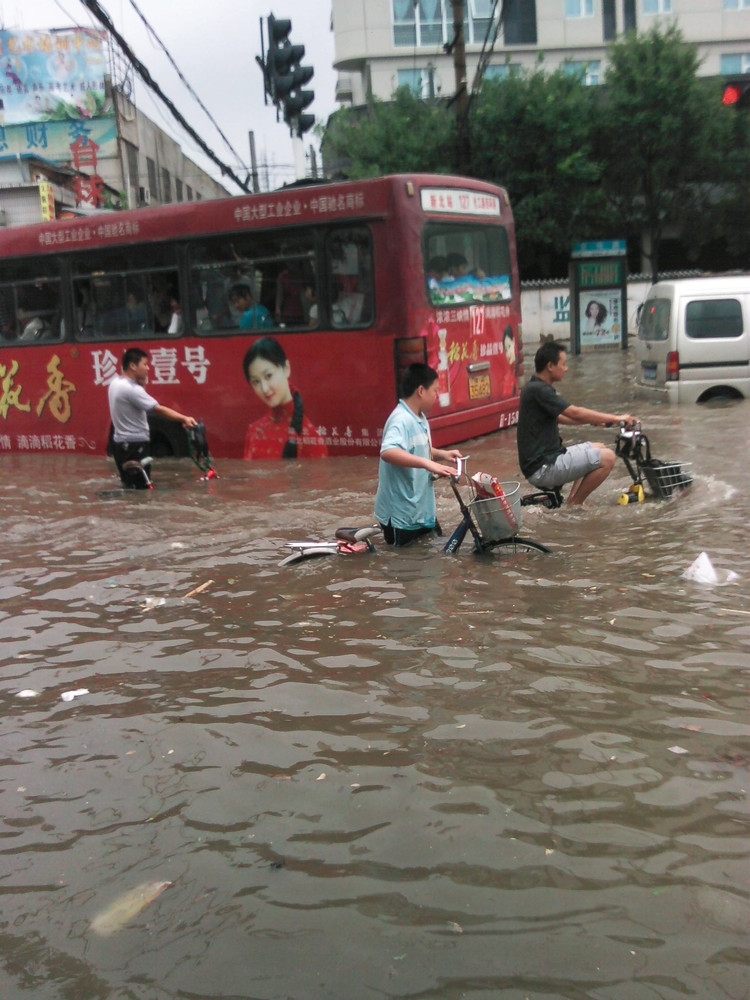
{"x":673,"y":366}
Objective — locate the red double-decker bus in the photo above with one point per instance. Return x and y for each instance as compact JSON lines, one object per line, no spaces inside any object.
{"x":352,"y":280}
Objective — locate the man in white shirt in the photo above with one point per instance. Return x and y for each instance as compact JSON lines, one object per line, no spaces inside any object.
{"x":129,"y":406}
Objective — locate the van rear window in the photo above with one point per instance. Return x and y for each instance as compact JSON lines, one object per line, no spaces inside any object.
{"x":654,"y":321}
{"x":707,"y":319}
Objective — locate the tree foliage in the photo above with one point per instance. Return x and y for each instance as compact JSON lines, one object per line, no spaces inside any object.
{"x":405,"y":135}
{"x":652,"y":155}
{"x":534,"y":134}
{"x":667,"y":136}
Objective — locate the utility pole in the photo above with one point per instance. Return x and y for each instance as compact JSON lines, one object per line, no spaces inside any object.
{"x":463,"y":147}
{"x":253,"y":163}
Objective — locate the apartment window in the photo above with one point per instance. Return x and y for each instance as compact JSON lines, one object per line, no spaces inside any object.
{"x":166,"y":186}
{"x":519,"y":24}
{"x":734,"y":64}
{"x":609,"y":20}
{"x":404,"y":23}
{"x":502,"y":72}
{"x":581,"y":8}
{"x":628,"y":15}
{"x":151,"y":170}
{"x":430,"y":22}
{"x":589,"y":72}
{"x":177,"y":189}
{"x":657,"y":6}
{"x":736,"y":4}
{"x":420,"y":81}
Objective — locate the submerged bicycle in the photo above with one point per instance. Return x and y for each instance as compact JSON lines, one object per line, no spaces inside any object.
{"x":492,"y":514}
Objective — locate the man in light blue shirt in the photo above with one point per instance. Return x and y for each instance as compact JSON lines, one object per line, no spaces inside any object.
{"x":405,"y":501}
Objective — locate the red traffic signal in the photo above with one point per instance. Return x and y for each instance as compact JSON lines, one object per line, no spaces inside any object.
{"x":736,"y":93}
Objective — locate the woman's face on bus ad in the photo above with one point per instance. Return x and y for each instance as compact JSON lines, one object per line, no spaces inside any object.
{"x":270,"y":382}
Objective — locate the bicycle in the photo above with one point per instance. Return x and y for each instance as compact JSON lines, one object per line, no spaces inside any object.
{"x":493,"y":519}
{"x":347,"y":541}
{"x":663,"y":478}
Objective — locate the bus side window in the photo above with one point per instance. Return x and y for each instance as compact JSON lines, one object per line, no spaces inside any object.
{"x":38,"y":312}
{"x":349,"y":255}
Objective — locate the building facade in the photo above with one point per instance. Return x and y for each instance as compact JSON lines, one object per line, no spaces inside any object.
{"x":72,"y":142}
{"x":381,"y":45}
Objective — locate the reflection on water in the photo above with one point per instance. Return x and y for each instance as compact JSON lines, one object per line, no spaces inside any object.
{"x":396,"y":775}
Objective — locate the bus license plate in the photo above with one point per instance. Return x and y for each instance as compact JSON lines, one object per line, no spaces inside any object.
{"x":648,"y":372}
{"x":479,"y":386}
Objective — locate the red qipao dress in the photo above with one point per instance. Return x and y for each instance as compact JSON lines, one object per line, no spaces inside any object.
{"x":266,"y":437}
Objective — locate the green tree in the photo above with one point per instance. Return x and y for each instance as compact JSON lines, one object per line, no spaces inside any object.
{"x":534,"y":134}
{"x":405,"y":135}
{"x":667,"y":139}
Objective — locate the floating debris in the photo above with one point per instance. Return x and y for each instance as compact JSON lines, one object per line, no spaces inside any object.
{"x":70,"y":695}
{"x":125,"y":907}
{"x":27,"y":693}
{"x":198,"y":590}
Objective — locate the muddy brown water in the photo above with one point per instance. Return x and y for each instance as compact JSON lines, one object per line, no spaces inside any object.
{"x":398,"y":775}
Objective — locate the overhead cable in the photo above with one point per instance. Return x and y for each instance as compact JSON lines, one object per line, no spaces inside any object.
{"x":101,"y":15}
{"x":190,"y":90}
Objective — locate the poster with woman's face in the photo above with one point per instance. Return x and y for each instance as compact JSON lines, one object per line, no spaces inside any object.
{"x":601,"y":320}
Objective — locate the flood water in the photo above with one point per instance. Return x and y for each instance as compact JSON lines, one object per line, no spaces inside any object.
{"x":396,"y":775}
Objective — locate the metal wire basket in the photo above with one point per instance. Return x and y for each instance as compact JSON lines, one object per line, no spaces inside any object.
{"x":666,"y":478}
{"x":497,"y":517}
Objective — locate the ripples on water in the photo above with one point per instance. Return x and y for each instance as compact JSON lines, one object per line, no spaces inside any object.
{"x":399,"y":775}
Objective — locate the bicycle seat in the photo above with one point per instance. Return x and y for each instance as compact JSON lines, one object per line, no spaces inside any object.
{"x":354,"y":535}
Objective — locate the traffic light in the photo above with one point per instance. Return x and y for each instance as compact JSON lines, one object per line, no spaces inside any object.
{"x":736,"y":93}
{"x":285,"y":77}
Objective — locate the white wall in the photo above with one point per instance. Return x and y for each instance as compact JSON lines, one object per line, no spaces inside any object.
{"x":546,"y":311}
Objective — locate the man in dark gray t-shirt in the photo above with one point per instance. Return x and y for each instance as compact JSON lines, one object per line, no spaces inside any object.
{"x":543,"y":458}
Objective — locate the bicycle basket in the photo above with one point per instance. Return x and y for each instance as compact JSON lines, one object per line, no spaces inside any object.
{"x":491,"y":517}
{"x":664,"y":478}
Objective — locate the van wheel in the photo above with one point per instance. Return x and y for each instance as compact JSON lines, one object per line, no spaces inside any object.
{"x":720,"y":394}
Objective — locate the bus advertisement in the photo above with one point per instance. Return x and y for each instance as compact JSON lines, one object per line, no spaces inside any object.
{"x":345,"y":284}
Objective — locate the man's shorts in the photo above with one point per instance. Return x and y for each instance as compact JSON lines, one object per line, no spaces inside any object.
{"x":577,"y":461}
{"x":400,"y":537}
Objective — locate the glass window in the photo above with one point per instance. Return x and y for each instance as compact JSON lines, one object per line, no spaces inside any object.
{"x":589,"y":72}
{"x":127,"y":292}
{"x":466,"y":264}
{"x":404,"y":23}
{"x":350,"y":277}
{"x":519,"y":22}
{"x":502,"y":72}
{"x":580,"y":8}
{"x":258,"y":281}
{"x":736,"y":4}
{"x":653,"y":323}
{"x":707,"y":319}
{"x":657,"y":6}
{"x":31,"y":311}
{"x":735,"y":63}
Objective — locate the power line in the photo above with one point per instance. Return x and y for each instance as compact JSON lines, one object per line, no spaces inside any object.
{"x":190,"y":90}
{"x":102,"y":16}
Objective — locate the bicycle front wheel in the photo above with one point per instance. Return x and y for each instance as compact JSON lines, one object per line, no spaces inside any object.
{"x":520,"y":546}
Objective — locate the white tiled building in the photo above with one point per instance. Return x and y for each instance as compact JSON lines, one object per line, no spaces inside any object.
{"x":384,"y":44}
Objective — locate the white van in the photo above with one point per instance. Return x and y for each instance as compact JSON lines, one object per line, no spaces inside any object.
{"x":694,"y":339}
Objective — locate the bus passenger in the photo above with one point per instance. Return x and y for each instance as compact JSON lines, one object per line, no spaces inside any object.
{"x":252,"y":316}
{"x":129,"y":404}
{"x":543,"y":458}
{"x":285,"y":431}
{"x":405,"y":501}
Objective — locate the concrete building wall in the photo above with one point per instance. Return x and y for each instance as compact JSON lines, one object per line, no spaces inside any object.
{"x":366,"y":55}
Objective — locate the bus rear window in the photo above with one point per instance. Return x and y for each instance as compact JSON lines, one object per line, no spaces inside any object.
{"x":466,"y":263}
{"x":709,"y":319}
{"x":654,"y":320}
